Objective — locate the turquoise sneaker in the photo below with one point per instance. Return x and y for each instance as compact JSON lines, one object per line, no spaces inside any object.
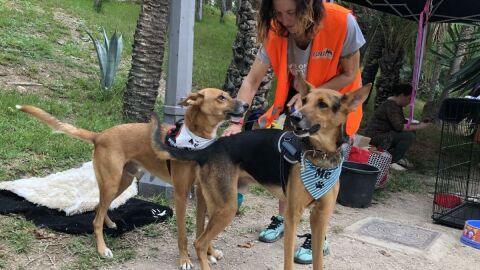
{"x":274,"y":231}
{"x":303,"y":255}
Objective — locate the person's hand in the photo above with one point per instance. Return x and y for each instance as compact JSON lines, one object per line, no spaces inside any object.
{"x":423,"y":124}
{"x":232,"y":129}
{"x":296,"y":102}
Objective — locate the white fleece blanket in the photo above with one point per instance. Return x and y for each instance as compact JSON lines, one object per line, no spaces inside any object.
{"x":73,"y":191}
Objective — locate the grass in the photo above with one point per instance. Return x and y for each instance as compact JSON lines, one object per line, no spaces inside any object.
{"x":18,"y":235}
{"x":82,"y":249}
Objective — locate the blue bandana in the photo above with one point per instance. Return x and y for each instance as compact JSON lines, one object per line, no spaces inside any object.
{"x":319,"y":181}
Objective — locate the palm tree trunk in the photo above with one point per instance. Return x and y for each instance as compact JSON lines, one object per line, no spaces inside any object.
{"x":371,"y":66}
{"x":244,"y":52}
{"x":223,"y":9}
{"x":229,"y":4}
{"x":390,"y":65}
{"x":147,"y":58}
{"x":198,"y":10}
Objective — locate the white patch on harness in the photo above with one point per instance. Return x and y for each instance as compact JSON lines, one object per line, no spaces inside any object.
{"x":185,"y":139}
{"x":319,"y":181}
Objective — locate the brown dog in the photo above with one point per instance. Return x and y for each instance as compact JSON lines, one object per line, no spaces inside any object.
{"x":120,"y":151}
{"x":256,"y":154}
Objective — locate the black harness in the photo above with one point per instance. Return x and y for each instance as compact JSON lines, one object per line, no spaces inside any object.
{"x":170,"y":140}
{"x":290,"y":148}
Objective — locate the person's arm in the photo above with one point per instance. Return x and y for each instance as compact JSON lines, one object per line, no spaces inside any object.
{"x":349,"y":66}
{"x":248,"y":90}
{"x":252,"y":81}
{"x":414,"y":127}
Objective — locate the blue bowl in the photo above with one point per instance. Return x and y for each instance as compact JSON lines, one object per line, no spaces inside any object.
{"x":471,"y":233}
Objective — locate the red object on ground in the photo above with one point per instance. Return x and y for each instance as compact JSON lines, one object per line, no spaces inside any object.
{"x":447,"y":200}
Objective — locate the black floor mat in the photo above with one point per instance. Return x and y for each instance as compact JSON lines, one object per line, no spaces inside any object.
{"x":134,"y":213}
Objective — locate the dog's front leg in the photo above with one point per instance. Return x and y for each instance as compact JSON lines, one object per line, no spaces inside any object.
{"x":213,"y":254}
{"x":319,"y":217}
{"x":183,"y":176}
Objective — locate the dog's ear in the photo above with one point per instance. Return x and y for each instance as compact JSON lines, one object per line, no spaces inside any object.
{"x":355,"y":98}
{"x":302,"y":86}
{"x":193,"y":99}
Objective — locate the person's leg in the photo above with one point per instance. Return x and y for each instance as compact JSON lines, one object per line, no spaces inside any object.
{"x":400,"y":144}
{"x":275,"y":230}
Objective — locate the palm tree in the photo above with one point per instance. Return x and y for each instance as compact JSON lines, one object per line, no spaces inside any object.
{"x":468,"y":77}
{"x":244,"y":51}
{"x":397,"y":39}
{"x":147,"y":58}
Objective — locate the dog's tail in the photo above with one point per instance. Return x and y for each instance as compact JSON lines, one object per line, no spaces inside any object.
{"x":164,"y":151}
{"x":58,"y":126}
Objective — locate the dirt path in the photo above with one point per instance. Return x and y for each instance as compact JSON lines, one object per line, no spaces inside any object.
{"x":346,"y":252}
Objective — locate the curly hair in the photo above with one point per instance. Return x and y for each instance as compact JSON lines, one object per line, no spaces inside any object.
{"x":309,"y":13}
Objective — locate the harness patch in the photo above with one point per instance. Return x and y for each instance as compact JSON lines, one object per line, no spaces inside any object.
{"x":181,"y":137}
{"x":319,"y":181}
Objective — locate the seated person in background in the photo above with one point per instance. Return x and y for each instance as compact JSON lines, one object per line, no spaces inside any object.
{"x":388,"y":128}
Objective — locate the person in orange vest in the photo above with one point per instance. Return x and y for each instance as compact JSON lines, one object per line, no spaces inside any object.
{"x":319,"y":40}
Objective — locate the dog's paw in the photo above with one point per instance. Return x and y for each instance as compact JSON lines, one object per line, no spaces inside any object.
{"x":217,"y":254}
{"x":112,"y":226}
{"x":186,"y":265}
{"x":108,"y":253}
{"x":212,"y":259}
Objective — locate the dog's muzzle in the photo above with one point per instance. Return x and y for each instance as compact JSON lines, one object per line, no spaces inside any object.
{"x":239,"y":109}
{"x":302,"y":126}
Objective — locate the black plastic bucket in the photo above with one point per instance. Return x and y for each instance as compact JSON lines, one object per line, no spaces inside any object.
{"x":357,"y":183}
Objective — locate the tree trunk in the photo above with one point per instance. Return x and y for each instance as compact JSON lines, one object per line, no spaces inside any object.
{"x":97,"y":5}
{"x":198,"y":9}
{"x":390,"y":65}
{"x":147,"y":58}
{"x":371,"y":66}
{"x":244,"y":52}
{"x":229,"y":4}
{"x":223,"y":9}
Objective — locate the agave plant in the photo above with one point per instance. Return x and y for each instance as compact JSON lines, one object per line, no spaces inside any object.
{"x":108,"y":55}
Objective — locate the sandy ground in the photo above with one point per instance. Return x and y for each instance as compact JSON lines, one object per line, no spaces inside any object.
{"x":346,"y":251}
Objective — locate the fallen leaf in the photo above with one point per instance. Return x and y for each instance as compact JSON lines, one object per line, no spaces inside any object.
{"x":247,"y":244}
{"x":384,"y":253}
{"x":42,"y":234}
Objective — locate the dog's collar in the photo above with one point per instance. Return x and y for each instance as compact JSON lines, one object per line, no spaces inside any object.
{"x":181,"y":137}
{"x":309,"y":148}
{"x":322,"y":158}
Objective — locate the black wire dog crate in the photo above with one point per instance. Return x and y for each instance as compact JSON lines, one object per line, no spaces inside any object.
{"x":457,"y":187}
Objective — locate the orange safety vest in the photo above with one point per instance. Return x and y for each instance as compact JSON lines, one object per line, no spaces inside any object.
{"x":323,"y":63}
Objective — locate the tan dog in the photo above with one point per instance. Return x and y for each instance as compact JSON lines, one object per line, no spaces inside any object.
{"x":320,"y":126}
{"x":120,"y":151}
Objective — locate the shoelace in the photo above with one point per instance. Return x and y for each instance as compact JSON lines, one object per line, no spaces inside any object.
{"x":308,"y":240}
{"x":275,"y":223}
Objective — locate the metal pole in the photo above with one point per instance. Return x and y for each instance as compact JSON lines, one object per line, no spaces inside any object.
{"x":180,"y":57}
{"x":179,"y":80}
